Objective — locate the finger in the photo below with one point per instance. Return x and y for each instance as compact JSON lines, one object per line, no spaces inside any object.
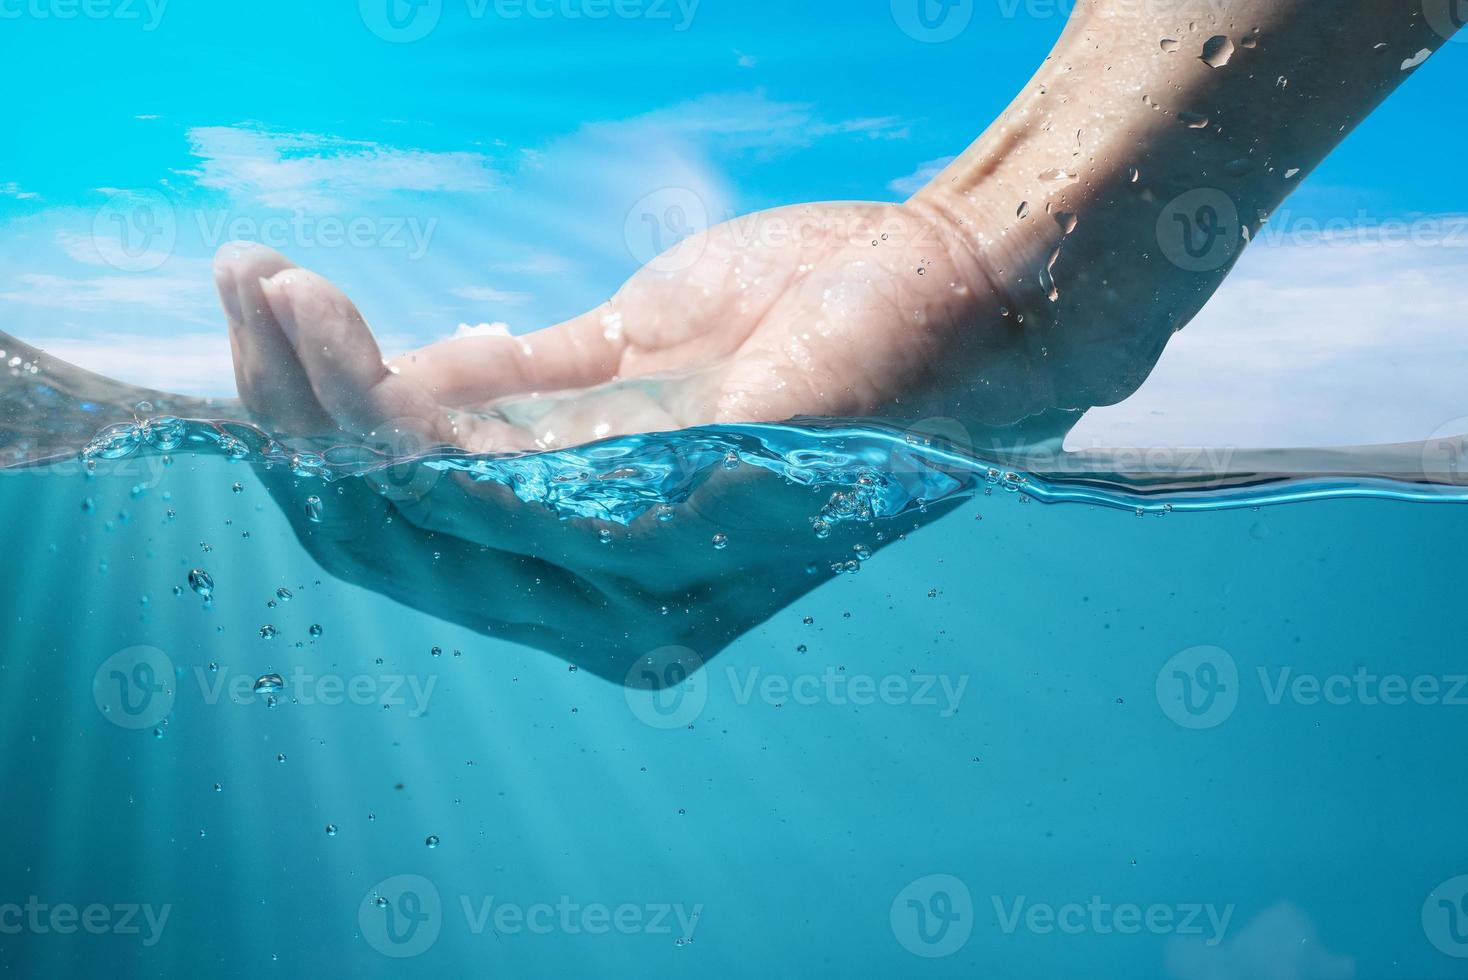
{"x":345,"y":370}
{"x":271,"y":381}
{"x":351,"y":532}
{"x":580,"y":353}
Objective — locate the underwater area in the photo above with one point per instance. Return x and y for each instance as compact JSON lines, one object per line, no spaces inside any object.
{"x":808,"y":490}
{"x":1172,"y":732}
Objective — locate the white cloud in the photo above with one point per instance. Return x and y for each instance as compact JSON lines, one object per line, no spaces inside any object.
{"x":1281,"y":943}
{"x":188,"y":364}
{"x":534,"y":263}
{"x":12,"y":189}
{"x":311,"y":172}
{"x":919,"y":178}
{"x":496,"y":329}
{"x":189,"y":298}
{"x":488,"y":294}
{"x":1349,"y":343}
{"x":750,"y":120}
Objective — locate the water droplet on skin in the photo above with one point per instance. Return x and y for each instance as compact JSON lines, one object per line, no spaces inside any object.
{"x":1169,"y":45}
{"x":1024,"y":210}
{"x":431,"y":842}
{"x":313,"y":509}
{"x":721,"y":541}
{"x":436,"y":652}
{"x":604,"y":536}
{"x":238,"y":488}
{"x":1193,"y":120}
{"x":331,"y":830}
{"x":280,"y":757}
{"x":267,"y":632}
{"x":1066,"y":221}
{"x":1133,"y":174}
{"x":1292,"y":173}
{"x":269,"y":684}
{"x":315,"y":629}
{"x":284,"y":594}
{"x":1416,"y":59}
{"x":1217,"y":51}
{"x":201,"y":582}
{"x":1058,"y":176}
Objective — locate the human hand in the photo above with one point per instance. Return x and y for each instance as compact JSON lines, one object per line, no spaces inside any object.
{"x":793,"y":313}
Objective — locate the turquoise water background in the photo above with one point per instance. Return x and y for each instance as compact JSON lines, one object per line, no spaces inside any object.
{"x":1006,"y":735}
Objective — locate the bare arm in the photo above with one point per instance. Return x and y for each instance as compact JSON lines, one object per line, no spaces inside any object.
{"x":1113,"y":196}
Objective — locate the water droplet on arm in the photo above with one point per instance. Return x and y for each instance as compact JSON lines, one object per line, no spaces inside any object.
{"x":1217,"y":51}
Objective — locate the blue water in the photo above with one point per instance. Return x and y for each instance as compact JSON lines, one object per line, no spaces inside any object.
{"x":1040,"y":725}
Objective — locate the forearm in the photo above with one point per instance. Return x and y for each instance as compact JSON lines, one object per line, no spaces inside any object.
{"x":1116,"y":95}
{"x":1126,"y":122}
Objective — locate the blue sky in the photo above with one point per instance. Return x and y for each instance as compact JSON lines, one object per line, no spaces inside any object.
{"x":497,"y":169}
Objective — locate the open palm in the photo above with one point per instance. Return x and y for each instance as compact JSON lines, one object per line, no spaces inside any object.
{"x":829,"y":310}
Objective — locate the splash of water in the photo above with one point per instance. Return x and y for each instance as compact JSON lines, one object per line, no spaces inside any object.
{"x":873,"y":471}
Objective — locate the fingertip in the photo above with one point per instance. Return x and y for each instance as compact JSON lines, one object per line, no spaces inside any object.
{"x":237,"y":265}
